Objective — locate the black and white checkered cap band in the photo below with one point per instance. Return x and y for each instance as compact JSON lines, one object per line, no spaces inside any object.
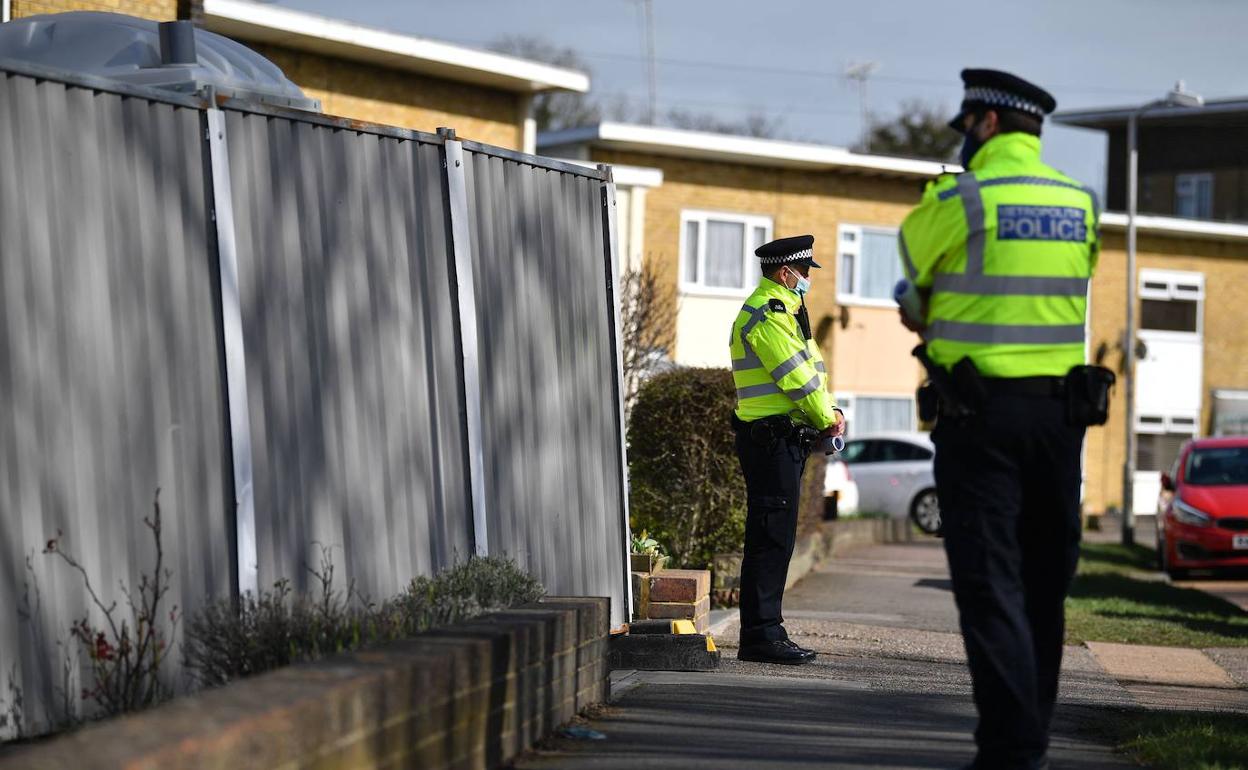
{"x":796,"y":256}
{"x":998,"y":98}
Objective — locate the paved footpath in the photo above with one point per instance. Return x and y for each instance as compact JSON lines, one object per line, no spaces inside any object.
{"x":890,"y":687}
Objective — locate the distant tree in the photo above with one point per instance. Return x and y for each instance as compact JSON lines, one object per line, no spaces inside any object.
{"x":553,"y":110}
{"x":756,"y":124}
{"x":919,"y":130}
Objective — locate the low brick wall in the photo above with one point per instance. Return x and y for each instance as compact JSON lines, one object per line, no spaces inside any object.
{"x":673,"y":594}
{"x":473,"y":695}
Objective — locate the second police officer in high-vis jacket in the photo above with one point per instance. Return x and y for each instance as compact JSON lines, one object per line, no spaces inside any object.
{"x":1002,"y":255}
{"x":783,"y":411}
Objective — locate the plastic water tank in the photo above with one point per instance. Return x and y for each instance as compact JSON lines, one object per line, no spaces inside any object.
{"x":170,"y":55}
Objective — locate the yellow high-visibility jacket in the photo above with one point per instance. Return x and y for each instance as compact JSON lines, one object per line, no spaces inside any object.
{"x":1007,"y":250}
{"x":775,"y":368}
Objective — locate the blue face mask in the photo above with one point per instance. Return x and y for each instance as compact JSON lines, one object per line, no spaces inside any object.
{"x":802,"y":288}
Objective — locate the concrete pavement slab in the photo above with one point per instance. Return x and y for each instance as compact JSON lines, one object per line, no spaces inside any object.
{"x":1175,"y":666}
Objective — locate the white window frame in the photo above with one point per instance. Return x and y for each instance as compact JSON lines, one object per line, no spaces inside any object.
{"x":1194,"y":181}
{"x":1180,"y":285}
{"x":847,"y":401}
{"x":849,"y":295}
{"x":749,"y":262}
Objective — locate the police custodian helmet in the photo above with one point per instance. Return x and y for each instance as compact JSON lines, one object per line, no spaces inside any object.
{"x":1001,"y":90}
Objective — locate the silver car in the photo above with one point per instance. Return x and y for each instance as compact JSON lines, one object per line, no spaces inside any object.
{"x":893,"y":472}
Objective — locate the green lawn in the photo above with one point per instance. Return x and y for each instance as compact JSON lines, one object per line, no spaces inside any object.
{"x":1183,"y":741}
{"x":1118,"y":597}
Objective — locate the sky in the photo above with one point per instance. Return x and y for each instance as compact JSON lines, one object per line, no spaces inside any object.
{"x":786,"y":58}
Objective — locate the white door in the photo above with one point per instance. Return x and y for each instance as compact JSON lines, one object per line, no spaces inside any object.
{"x":1168,"y":376}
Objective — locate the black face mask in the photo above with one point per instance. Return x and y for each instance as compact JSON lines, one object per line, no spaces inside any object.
{"x":970,"y":145}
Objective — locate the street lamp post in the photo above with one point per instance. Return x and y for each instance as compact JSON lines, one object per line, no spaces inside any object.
{"x":1176,"y":98}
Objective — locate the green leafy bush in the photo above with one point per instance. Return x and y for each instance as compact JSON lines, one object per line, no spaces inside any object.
{"x":278,"y":628}
{"x":686,"y":486}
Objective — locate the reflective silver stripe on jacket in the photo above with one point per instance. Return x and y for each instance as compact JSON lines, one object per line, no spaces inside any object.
{"x":793,"y":361}
{"x":973,"y":205}
{"x":1006,"y":334}
{"x":1003,"y":285}
{"x":799,"y":393}
{"x":754,"y":391}
{"x":751,"y":361}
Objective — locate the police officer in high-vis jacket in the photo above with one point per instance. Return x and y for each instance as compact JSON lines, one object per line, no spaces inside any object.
{"x":1002,"y":255}
{"x":783,"y":412}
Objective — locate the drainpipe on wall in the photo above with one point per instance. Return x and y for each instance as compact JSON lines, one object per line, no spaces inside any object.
{"x":528,"y":135}
{"x":6,"y":10}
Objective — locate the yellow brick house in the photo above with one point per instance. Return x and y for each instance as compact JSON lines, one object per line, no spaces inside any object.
{"x":365,"y":73}
{"x":718,"y":196}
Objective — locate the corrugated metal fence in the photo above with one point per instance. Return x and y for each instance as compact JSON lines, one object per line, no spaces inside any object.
{"x":305,"y":332}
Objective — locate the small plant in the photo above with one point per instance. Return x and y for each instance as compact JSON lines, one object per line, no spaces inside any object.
{"x":278,"y":628}
{"x":126,"y":653}
{"x":645,"y":545}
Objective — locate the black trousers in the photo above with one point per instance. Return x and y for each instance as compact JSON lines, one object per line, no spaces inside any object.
{"x":1008,"y":481}
{"x":773,"y":479}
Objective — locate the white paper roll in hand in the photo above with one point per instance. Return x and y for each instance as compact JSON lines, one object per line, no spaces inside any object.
{"x":833,"y":444}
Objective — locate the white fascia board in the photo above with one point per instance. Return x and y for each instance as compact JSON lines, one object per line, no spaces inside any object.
{"x":625,"y":176}
{"x":736,"y":149}
{"x":251,"y":21}
{"x":636,"y":176}
{"x":1181,"y":228}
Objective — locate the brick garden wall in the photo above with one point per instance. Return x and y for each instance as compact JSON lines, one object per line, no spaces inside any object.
{"x":473,"y":695}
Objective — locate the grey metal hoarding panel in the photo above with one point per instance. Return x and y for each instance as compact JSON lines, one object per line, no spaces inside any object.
{"x":109,"y":364}
{"x":547,"y":374}
{"x":352,"y":361}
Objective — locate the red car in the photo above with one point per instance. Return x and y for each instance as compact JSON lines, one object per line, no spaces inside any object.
{"x":1204,"y":507}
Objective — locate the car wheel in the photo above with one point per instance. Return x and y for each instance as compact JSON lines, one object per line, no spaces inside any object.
{"x":1161,"y":551}
{"x":925,"y":511}
{"x":1175,"y":573}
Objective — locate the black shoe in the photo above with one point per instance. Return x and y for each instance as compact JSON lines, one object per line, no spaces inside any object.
{"x":799,"y":647}
{"x":784,"y":653}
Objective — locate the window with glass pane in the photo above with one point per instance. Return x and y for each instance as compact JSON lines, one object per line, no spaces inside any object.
{"x":1193,"y":195}
{"x":870,"y":265}
{"x":1158,"y":451}
{"x":725,"y":250}
{"x":880,"y":267}
{"x":1171,"y":315}
{"x":691,"y":252}
{"x":847,"y":273}
{"x":718,"y":250}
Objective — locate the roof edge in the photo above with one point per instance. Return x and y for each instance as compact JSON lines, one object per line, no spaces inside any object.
{"x":742,"y":149}
{"x":1174,"y":226}
{"x":321,"y":34}
{"x":1104,"y":118}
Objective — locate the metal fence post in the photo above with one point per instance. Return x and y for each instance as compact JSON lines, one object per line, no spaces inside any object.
{"x":612,"y":262}
{"x":235,"y":358}
{"x":466,"y":308}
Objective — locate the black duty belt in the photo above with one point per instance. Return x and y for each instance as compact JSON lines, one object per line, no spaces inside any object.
{"x":1040,"y":387}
